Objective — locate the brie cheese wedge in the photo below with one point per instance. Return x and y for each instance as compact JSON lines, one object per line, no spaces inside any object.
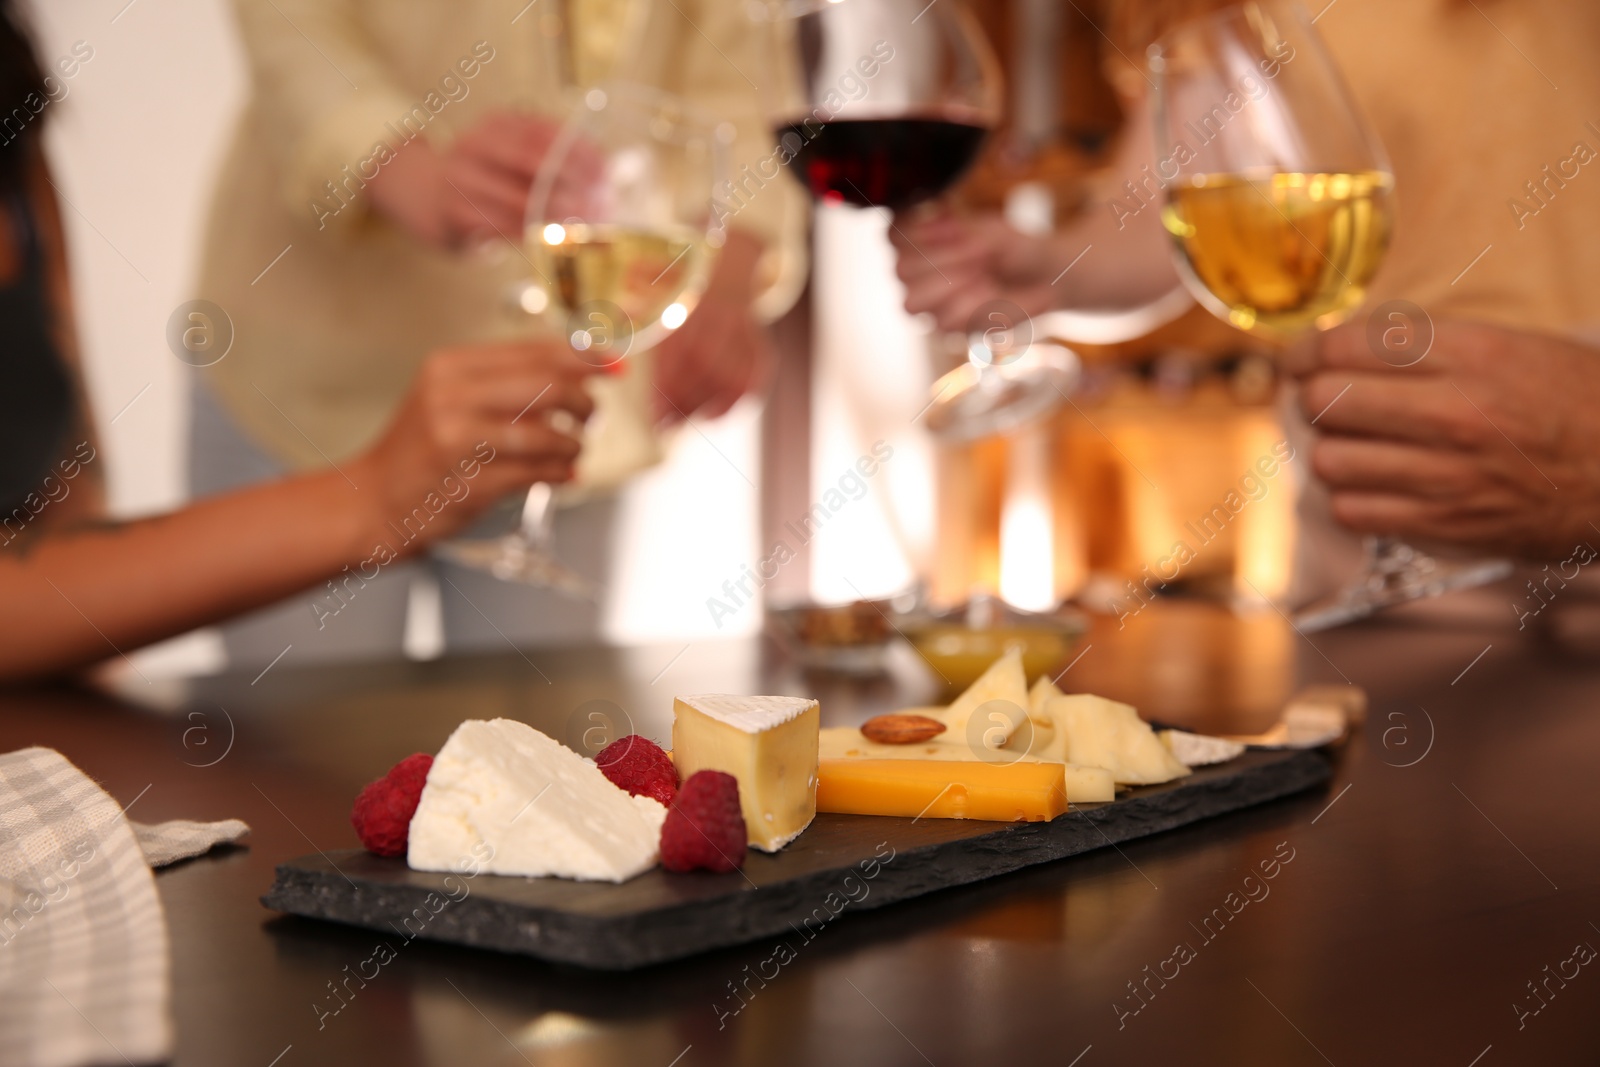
{"x":768,"y":743}
{"x":540,"y":807}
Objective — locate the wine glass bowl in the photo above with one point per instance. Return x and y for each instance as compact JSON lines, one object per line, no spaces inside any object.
{"x":1278,"y":199}
{"x":621,"y":227}
{"x":879,"y":104}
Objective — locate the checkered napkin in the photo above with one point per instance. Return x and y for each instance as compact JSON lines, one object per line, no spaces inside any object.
{"x":83,"y":941}
{"x":181,"y":839}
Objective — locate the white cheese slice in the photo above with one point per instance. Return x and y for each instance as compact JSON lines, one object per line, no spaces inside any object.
{"x":1104,"y":733}
{"x":542,"y":808}
{"x":1003,"y":685}
{"x":768,"y":743}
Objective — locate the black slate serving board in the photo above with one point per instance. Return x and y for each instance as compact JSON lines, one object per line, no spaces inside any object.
{"x":842,"y":861}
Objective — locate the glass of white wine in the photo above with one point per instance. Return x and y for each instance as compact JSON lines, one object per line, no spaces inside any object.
{"x":1280,"y":202}
{"x":621,"y":232}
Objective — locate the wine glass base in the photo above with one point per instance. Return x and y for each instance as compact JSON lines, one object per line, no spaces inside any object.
{"x":1421,"y":577}
{"x":972,"y":402}
{"x":512,"y":558}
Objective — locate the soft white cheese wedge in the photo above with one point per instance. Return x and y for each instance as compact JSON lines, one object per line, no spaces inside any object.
{"x":768,"y":743}
{"x":542,"y":808}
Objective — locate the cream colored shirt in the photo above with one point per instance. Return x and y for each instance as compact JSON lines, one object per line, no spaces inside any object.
{"x":333,"y":308}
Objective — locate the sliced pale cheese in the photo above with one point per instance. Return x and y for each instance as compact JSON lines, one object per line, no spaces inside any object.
{"x":1041,"y":692}
{"x":932,"y":789}
{"x":838,"y":744}
{"x":1104,"y":733}
{"x":541,"y":809}
{"x":994,"y":706}
{"x":1088,"y":785}
{"x":841,"y":742}
{"x":1044,"y":740}
{"x":768,"y":743}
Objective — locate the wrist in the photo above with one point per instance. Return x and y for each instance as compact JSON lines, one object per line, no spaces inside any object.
{"x":733,"y":279}
{"x":367,"y":516}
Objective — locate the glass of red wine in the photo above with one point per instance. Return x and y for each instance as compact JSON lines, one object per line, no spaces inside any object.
{"x":885,"y":104}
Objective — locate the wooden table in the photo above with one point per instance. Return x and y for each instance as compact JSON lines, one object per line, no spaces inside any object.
{"x":1453,"y":859}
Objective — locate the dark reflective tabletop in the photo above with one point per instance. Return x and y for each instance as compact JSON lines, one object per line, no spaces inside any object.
{"x":1429,"y":907}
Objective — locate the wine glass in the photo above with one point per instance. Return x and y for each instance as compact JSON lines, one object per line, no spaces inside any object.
{"x":1279,"y":201}
{"x":620,"y":233}
{"x":886,"y":104}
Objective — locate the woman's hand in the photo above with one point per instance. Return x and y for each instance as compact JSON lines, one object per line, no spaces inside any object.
{"x":480,"y":421}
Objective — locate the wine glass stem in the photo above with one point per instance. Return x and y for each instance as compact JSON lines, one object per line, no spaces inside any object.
{"x":538,"y":516}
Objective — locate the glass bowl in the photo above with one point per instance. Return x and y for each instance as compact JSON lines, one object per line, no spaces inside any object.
{"x":960,"y":644}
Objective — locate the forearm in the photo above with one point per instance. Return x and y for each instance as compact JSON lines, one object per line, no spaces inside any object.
{"x":77,"y":597}
{"x":1125,"y":262}
{"x":1129,"y":258}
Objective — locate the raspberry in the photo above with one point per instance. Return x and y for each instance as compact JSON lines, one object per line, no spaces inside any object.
{"x":638,"y":765}
{"x":704,"y":829}
{"x":383,"y":810}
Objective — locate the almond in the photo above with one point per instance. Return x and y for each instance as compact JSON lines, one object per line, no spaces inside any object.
{"x":900,"y":729}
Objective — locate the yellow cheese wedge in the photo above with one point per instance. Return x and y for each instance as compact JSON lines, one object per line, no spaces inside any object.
{"x":935,"y":789}
{"x":1104,"y":733}
{"x":768,"y":743}
{"x":999,"y":700}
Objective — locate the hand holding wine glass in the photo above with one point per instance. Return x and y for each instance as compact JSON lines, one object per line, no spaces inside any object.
{"x":890,"y":104}
{"x":1279,"y":201}
{"x":953,"y":265}
{"x":1470,"y":446}
{"x":621,"y":231}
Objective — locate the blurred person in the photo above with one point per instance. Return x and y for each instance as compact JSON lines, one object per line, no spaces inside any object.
{"x":79,"y":588}
{"x":371,"y":208}
{"x":1485,"y":111}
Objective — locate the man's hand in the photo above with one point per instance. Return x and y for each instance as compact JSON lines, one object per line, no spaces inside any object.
{"x":722,"y":352}
{"x":483,"y":421}
{"x":1490,"y":441}
{"x":476,"y":189}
